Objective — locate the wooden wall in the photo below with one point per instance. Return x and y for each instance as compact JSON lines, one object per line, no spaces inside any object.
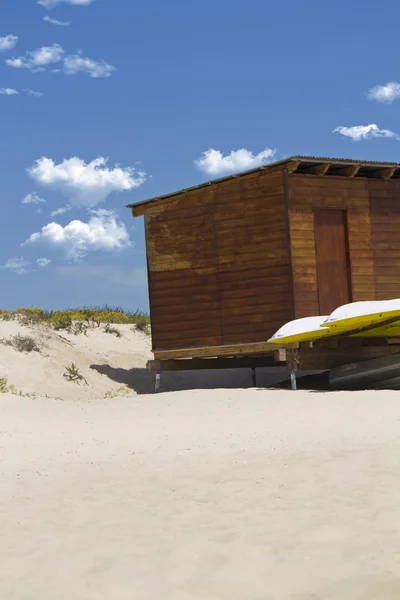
{"x":219,"y":264}
{"x":385,"y":227}
{"x":307,"y":192}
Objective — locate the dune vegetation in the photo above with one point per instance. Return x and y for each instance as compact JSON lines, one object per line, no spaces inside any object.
{"x":66,"y":319}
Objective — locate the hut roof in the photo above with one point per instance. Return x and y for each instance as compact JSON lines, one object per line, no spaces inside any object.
{"x":298,"y":164}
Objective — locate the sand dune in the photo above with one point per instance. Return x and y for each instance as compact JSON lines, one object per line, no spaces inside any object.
{"x":190,"y":495}
{"x":111,"y":365}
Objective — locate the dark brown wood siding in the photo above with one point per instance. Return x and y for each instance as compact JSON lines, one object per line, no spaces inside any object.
{"x":219,"y":266}
{"x":385,"y":223}
{"x":308,"y":193}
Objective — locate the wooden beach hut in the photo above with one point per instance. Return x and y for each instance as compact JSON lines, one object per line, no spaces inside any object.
{"x":231,"y":260}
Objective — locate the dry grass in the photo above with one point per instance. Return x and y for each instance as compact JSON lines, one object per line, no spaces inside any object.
{"x":78,"y":320}
{"x":22,"y":343}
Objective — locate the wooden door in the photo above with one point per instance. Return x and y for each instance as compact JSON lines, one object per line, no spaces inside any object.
{"x":331,"y":248}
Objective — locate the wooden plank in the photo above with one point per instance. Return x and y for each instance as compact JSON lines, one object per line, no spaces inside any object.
{"x":257,"y":322}
{"x":381,"y":220}
{"x":196,"y":364}
{"x":319,"y":358}
{"x":168,"y":342}
{"x":269,"y":293}
{"x":254,"y":258}
{"x":249,"y":303}
{"x":244,"y":227}
{"x":301,"y":227}
{"x":300,"y":261}
{"x":267,"y":271}
{"x":360,"y":254}
{"x":254,"y":336}
{"x":182,"y":307}
{"x":248,"y":221}
{"x":247,"y":208}
{"x":303,"y":243}
{"x":174,"y":263}
{"x":183,"y":311}
{"x":242,"y":239}
{"x":215,"y":351}
{"x":298,"y":181}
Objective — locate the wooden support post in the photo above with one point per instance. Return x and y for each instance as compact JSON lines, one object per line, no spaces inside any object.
{"x":292,"y":365}
{"x":293,"y":382}
{"x":349,"y":171}
{"x":320,"y":169}
{"x":388,"y":173}
{"x":157,"y":382}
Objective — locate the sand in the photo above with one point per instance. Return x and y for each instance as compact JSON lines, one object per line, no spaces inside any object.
{"x":209,"y":494}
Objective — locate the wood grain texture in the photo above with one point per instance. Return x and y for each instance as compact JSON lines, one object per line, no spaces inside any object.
{"x":308,"y":193}
{"x":219,"y":271}
{"x":385,"y":227}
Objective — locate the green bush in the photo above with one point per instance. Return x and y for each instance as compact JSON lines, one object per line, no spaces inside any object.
{"x":61,"y":320}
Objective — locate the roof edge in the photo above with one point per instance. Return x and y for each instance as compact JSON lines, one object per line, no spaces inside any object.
{"x":266,"y":167}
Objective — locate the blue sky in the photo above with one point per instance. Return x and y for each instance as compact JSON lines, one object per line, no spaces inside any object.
{"x":172,"y":94}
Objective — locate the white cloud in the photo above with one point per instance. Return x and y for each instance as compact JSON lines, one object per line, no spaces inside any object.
{"x":37,"y":60}
{"x":32,"y":198}
{"x":35,"y":94}
{"x":385,"y":93}
{"x":17,"y":265}
{"x":213,"y":162}
{"x":53,"y":3}
{"x":43,"y":262}
{"x":8,"y":42}
{"x":8,"y":92}
{"x":364,"y":132}
{"x":102,"y":232}
{"x":75,"y":64}
{"x":60,"y":211}
{"x":56,"y":21}
{"x":85,"y":184}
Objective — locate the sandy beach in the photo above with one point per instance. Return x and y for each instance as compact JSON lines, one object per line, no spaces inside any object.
{"x":209,"y":494}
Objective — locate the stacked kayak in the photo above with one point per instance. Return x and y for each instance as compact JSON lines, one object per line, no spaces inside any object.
{"x":376,"y":373}
{"x":358,"y":319}
{"x":379,"y":318}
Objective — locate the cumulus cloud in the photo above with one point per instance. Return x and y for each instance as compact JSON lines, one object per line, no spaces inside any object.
{"x":385,"y":93}
{"x":53,"y":3}
{"x":103,"y":232}
{"x":72,"y":64}
{"x":17,"y":265}
{"x":56,"y":21}
{"x":8,"y":42}
{"x":75,"y":64}
{"x":213,"y":162}
{"x":32,"y":198}
{"x":364,"y":132}
{"x":35,"y":94}
{"x":43,"y":262}
{"x":8,"y":92}
{"x":37,"y":60}
{"x":85,"y":184}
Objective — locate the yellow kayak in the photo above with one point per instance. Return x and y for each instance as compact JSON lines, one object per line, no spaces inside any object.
{"x":383,"y":315}
{"x":358,"y":315}
{"x":307,"y":329}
